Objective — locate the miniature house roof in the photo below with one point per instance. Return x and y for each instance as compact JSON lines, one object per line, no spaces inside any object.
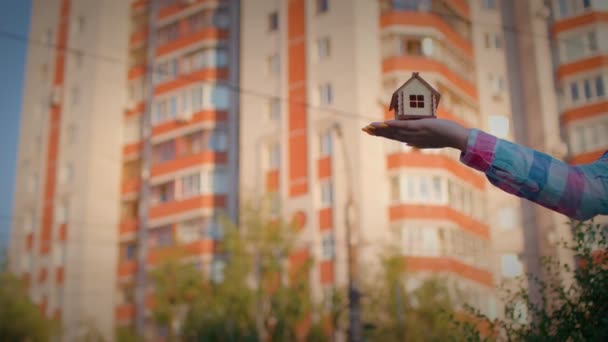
{"x":415,"y":75}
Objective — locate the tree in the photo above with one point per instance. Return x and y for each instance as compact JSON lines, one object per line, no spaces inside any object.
{"x":575,"y":312}
{"x":263,"y":292}
{"x":176,"y":284}
{"x":20,"y":319}
{"x":393,"y":314}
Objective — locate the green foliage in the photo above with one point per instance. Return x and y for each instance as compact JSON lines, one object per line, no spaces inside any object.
{"x":20,"y":319}
{"x":393,"y":314}
{"x":567,"y":312}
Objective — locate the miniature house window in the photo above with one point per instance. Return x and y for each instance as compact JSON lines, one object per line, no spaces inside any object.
{"x":417,"y":101}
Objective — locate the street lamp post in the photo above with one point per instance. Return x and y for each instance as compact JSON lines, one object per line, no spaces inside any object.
{"x":354,"y":296}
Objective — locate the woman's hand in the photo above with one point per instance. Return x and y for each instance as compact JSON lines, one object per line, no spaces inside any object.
{"x":422,"y":133}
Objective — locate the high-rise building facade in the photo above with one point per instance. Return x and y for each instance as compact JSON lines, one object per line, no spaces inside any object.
{"x":216,"y":101}
{"x":180,"y":144}
{"x":63,"y":238}
{"x":580,"y":33}
{"x":327,"y":69}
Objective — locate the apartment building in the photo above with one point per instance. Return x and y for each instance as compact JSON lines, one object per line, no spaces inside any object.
{"x":180,"y":144}
{"x":344,"y":60}
{"x":580,"y":33}
{"x":64,"y":237}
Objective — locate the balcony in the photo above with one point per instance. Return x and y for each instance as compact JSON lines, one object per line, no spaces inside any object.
{"x":449,"y":265}
{"x":202,"y":158}
{"x":128,"y":226}
{"x":394,"y":19}
{"x":175,"y":207}
{"x":207,"y":34}
{"x":138,"y":38}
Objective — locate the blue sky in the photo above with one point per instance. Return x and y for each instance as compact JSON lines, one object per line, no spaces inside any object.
{"x":14,"y":18}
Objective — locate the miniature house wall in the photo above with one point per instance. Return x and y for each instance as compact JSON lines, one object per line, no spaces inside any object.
{"x":422,"y":105}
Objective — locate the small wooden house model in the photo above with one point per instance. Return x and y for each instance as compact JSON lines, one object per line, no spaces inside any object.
{"x":415,"y":99}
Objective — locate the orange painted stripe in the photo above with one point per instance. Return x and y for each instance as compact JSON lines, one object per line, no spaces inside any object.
{"x":136,"y":72}
{"x":133,"y":148}
{"x":326,"y":219}
{"x":139,"y":37}
{"x":178,"y":207}
{"x":423,"y":64}
{"x":125,"y":312}
{"x":299,"y":220}
{"x":126,"y":268}
{"x":185,"y":41}
{"x":139,"y":108}
{"x":584,"y":65}
{"x":57,"y":314}
{"x":584,"y":112}
{"x":42,"y":275}
{"x":128,"y":226}
{"x":43,"y":306}
{"x":29,"y":241}
{"x":198,"y":117}
{"x":63,"y":232}
{"x":435,"y":212}
{"x":59,"y":275}
{"x":326,"y":272}
{"x":433,"y":161}
{"x":587,"y":158}
{"x":192,"y":78}
{"x":54,"y":138}
{"x":578,"y":21}
{"x":138,"y":5}
{"x":130,"y":186}
{"x":203,"y":247}
{"x":324,"y":167}
{"x":445,"y":264}
{"x":272,"y":180}
{"x":297,"y":259}
{"x":171,"y":10}
{"x":419,"y":19}
{"x":460,"y":6}
{"x":297,"y":113}
{"x":205,"y":157}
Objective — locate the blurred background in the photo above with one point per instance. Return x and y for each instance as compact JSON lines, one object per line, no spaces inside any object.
{"x":196,"y":170}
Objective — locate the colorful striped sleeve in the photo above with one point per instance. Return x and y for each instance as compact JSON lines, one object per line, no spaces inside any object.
{"x":579,"y":192}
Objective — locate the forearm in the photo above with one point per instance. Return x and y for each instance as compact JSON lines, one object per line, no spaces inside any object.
{"x":577,"y":192}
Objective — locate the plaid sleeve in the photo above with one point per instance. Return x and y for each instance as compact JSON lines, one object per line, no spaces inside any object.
{"x":579,"y":192}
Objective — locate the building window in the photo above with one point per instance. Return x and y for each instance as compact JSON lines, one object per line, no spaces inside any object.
{"x":273,"y":64}
{"x":322,"y":6}
{"x":574,"y":91}
{"x":197,"y":99}
{"x":416,"y":101}
{"x":61,"y":213}
{"x":221,"y":19}
{"x":217,"y":271}
{"x":75,"y":95}
{"x":563,"y":8}
{"x":190,"y":185}
{"x":420,"y":241}
{"x":273,"y":21}
{"x":586,"y":4}
{"x":130,"y":251}
{"x":274,"y":156}
{"x":274,"y":109}
{"x":163,"y":193}
{"x":323,"y":48}
{"x":411,"y":47}
{"x":219,"y":182}
{"x":325,"y":143}
{"x":190,"y":230}
{"x":66,"y":173}
{"x":218,"y":141}
{"x":161,"y":236}
{"x":592,"y":41}
{"x":511,"y":266}
{"x":163,"y":152}
{"x":489,"y":4}
{"x":220,"y":97}
{"x":395,"y":189}
{"x":587,"y":88}
{"x":328,"y":246}
{"x":599,"y":86}
{"x":325,"y":94}
{"x":327,"y":194}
